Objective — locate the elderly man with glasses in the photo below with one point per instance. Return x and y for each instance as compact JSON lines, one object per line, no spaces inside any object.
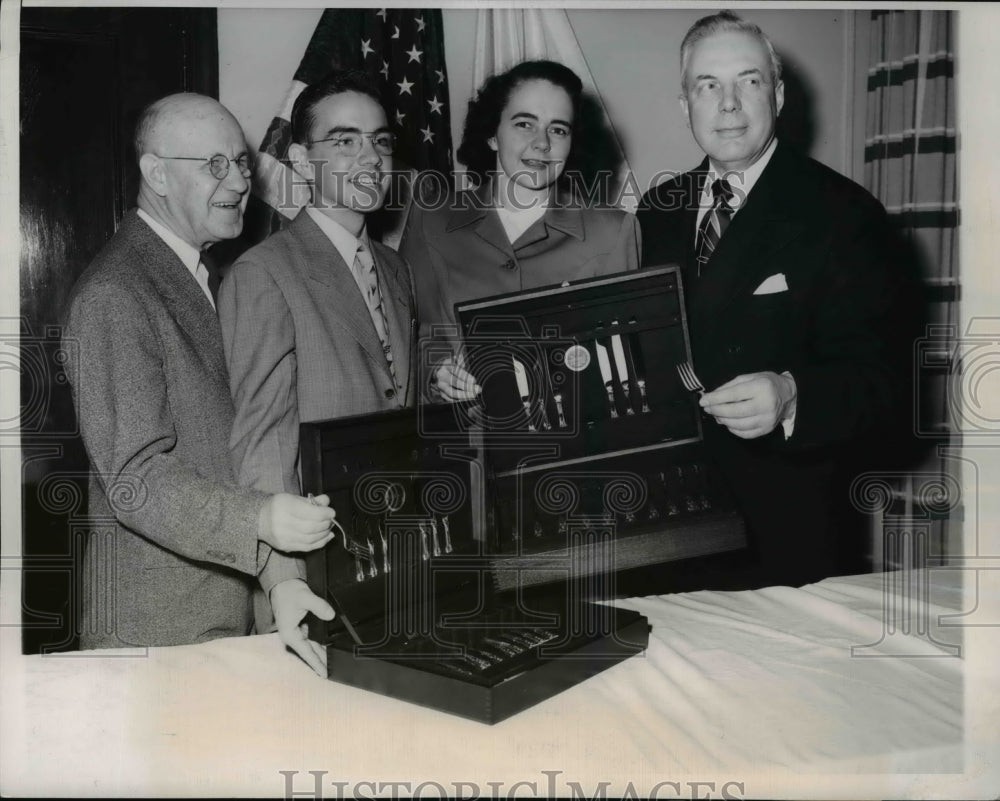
{"x":318,"y":320}
{"x":177,"y":548}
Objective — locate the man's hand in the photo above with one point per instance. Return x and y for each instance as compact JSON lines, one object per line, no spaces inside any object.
{"x":292,"y":524}
{"x":453,"y":382}
{"x":290,"y":601}
{"x":751,"y":406}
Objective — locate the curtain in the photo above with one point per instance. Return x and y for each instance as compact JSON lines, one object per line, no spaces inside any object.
{"x":910,"y":162}
{"x":505,"y":37}
{"x":910,"y":141}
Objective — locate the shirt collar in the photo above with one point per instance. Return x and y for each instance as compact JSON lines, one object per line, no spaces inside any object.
{"x":189,"y":255}
{"x":343,"y":240}
{"x":742,"y":181}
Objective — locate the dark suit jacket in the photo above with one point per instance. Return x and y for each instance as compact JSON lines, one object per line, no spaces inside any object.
{"x":173,"y":550}
{"x":836,"y":330}
{"x":458,"y":250}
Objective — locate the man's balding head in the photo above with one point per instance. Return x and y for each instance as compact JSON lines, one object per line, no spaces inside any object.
{"x":170,"y":113}
{"x":174,"y":140}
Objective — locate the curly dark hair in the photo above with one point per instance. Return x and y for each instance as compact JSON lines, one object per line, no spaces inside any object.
{"x":333,"y":83}
{"x":483,"y":116}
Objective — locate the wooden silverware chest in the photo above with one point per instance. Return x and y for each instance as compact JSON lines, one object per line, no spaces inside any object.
{"x":476,"y":536}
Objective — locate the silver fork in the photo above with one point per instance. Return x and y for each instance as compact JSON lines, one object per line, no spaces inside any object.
{"x":689,"y":379}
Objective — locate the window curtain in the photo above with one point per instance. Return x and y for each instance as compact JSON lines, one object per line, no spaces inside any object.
{"x":505,"y":37}
{"x":910,"y":165}
{"x":910,"y":141}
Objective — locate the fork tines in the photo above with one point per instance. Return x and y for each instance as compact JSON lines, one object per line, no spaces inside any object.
{"x":688,"y":377}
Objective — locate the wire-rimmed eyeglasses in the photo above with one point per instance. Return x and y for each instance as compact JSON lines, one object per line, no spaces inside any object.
{"x":350,"y":144}
{"x":218,"y":164}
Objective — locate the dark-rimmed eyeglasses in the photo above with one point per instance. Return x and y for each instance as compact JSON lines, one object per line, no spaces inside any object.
{"x":350,"y":144}
{"x":218,"y":164}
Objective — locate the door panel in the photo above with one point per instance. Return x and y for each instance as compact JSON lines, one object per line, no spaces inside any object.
{"x":86,"y":74}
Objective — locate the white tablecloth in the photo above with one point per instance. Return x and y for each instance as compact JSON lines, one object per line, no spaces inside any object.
{"x":780,"y":691}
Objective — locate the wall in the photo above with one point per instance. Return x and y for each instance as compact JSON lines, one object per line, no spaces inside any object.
{"x":259,"y":51}
{"x":631,"y":52}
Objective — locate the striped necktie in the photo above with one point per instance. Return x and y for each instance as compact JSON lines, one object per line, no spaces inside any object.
{"x":715,"y":222}
{"x":367,"y":278}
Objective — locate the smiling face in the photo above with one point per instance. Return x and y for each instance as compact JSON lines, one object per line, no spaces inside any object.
{"x":535,"y":134}
{"x":730,"y":100}
{"x":196,"y":205}
{"x":345,"y":185}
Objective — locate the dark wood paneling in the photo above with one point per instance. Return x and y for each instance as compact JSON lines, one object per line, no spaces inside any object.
{"x":86,"y":74}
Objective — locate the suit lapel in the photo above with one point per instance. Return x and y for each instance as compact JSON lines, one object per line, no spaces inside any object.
{"x":336,"y":290}
{"x":182,"y":296}
{"x":692,"y":196}
{"x":476,"y":213}
{"x":743,"y":257}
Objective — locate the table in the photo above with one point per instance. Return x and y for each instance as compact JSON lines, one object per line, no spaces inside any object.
{"x":764,"y":693}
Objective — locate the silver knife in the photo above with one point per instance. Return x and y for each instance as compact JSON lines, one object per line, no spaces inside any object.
{"x":635,"y":352}
{"x":605,"y":366}
{"x":521,"y":377}
{"x":546,"y":391}
{"x":619,"y":353}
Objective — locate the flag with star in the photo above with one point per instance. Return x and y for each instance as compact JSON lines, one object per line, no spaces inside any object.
{"x":403,"y":49}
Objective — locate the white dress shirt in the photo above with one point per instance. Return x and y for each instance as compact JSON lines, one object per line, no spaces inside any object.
{"x":516,"y":221}
{"x":740,"y":181}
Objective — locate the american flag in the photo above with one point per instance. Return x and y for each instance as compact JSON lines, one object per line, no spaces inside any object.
{"x":404,"y":50}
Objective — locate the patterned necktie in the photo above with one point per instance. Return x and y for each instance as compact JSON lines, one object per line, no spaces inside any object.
{"x":367,"y":277}
{"x":715,"y":222}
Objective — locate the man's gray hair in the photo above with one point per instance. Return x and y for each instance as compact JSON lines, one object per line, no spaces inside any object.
{"x":725,"y":21}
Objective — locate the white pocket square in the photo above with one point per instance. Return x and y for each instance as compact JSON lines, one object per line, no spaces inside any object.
{"x":772,"y":284}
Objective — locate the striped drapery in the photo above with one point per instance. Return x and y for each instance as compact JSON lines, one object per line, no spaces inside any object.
{"x":910,"y":165}
{"x":910,"y":142}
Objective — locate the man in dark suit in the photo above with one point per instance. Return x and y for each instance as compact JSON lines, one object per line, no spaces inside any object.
{"x":177,"y":546}
{"x":790,"y":289}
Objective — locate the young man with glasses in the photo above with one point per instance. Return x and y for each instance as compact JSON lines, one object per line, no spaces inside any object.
{"x":318,"y":320}
{"x":177,"y":547}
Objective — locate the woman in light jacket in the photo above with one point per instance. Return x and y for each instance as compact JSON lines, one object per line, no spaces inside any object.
{"x":523,"y":226}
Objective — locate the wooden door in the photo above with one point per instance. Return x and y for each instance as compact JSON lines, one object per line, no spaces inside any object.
{"x":86,"y":73}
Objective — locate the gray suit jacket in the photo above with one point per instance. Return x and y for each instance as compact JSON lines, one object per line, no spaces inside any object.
{"x":174,"y":548}
{"x":301,"y":346}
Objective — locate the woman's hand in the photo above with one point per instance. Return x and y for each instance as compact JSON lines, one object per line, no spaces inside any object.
{"x":453,"y":382}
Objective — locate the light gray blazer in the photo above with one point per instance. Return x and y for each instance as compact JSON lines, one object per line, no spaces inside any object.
{"x":174,"y":549}
{"x":301,"y":346}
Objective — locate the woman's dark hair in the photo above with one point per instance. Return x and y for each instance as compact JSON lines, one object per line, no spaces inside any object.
{"x":483,"y":116}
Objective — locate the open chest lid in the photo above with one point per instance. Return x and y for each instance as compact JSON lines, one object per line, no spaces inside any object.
{"x":588,"y":367}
